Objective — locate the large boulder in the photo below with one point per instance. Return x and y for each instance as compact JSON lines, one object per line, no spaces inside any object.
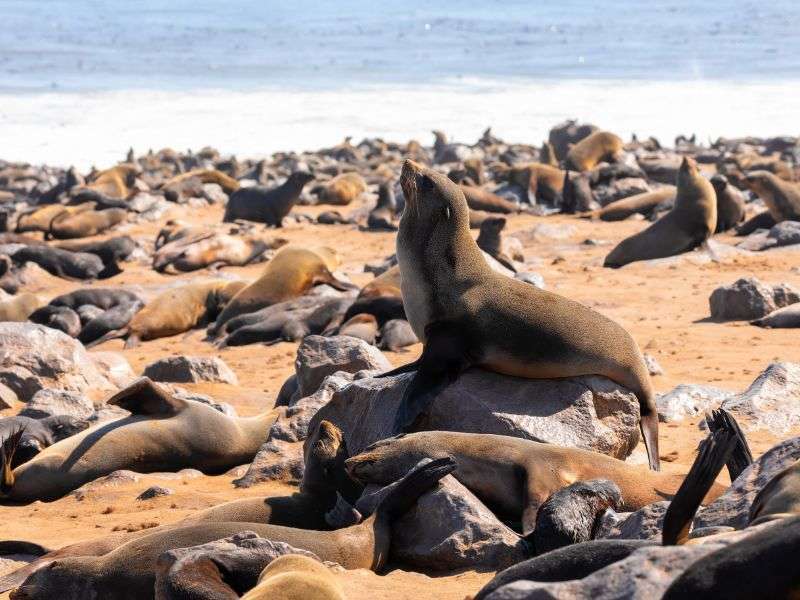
{"x":191,"y":369}
{"x":49,"y":403}
{"x":688,"y":400}
{"x":319,"y":356}
{"x":584,"y":412}
{"x":115,"y":367}
{"x":35,"y":357}
{"x":748,"y":299}
{"x":646,"y":523}
{"x":733,"y":507}
{"x":447,"y":529}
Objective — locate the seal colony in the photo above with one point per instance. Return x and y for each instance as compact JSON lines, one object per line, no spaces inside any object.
{"x":485,"y":256}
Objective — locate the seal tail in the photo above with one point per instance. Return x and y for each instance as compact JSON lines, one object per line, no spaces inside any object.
{"x":713,"y":454}
{"x":408,"y":490}
{"x":21,"y":547}
{"x":740,"y":457}
{"x":7,"y":451}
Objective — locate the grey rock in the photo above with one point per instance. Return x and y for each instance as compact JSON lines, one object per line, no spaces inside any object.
{"x":318,"y":357}
{"x":154,"y":492}
{"x":535,"y":279}
{"x":191,"y":369}
{"x":653,"y":367}
{"x":34,"y":357}
{"x":749,"y":298}
{"x":688,"y":400}
{"x":785,"y":233}
{"x":244,"y":555}
{"x":772,"y":401}
{"x":585,"y":412}
{"x":619,"y":189}
{"x":48,"y":403}
{"x":732,"y":508}
{"x":643,"y":524}
{"x":114,"y":366}
{"x":448,"y":529}
{"x":214,"y":194}
{"x":275,"y":461}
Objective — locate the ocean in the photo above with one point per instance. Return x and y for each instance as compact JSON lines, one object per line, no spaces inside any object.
{"x":81,"y":81}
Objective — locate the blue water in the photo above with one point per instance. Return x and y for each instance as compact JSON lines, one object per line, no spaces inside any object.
{"x":187,"y":44}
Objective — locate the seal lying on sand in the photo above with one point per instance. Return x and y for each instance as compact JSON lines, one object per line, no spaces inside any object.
{"x":512,"y":475}
{"x":466,"y":314}
{"x":341,"y":190}
{"x":690,"y":223}
{"x":38,"y":434}
{"x":781,"y":197}
{"x":787,"y":317}
{"x":266,"y":205}
{"x":210,"y":249}
{"x":129,"y":571}
{"x":643,"y":204}
{"x":481,"y":199}
{"x":86,"y":223}
{"x":188,"y":434}
{"x":291,"y":273}
{"x":61,"y":263}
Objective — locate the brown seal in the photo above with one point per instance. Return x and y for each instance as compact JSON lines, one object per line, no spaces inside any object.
{"x":226,"y":182}
{"x":542,"y":182}
{"x":291,"y":273}
{"x":512,"y":475}
{"x":642,"y":204}
{"x":490,"y":240}
{"x":18,"y":308}
{"x":342,"y":189}
{"x":212,"y":249}
{"x":381,"y":218}
{"x":781,"y":197}
{"x":466,"y":314}
{"x":40,"y":218}
{"x":690,"y":223}
{"x":481,"y":199}
{"x":730,"y":204}
{"x":116,"y":182}
{"x":163,"y":433}
{"x":296,"y":577}
{"x":266,"y":205}
{"x":597,"y":147}
{"x":86,"y":223}
{"x":128,"y":572}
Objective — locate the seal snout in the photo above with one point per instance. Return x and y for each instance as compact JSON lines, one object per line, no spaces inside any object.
{"x":357,"y":465}
{"x":408,"y":179}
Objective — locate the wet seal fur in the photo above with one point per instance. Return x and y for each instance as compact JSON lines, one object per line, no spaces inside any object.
{"x":511,"y":475}
{"x":689,"y":224}
{"x":188,"y":435}
{"x":128,"y":573}
{"x":466,"y":314}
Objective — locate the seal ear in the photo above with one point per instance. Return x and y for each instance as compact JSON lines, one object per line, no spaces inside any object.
{"x":143,"y":397}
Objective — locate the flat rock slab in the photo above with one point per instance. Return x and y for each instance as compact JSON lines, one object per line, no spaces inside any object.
{"x":35,"y":357}
{"x":583,"y":412}
{"x":191,"y":369}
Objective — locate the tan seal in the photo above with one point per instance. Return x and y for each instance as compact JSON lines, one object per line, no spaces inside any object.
{"x":642,"y":204}
{"x":690,"y":223}
{"x":18,"y":308}
{"x":226,"y":182}
{"x":512,"y":475}
{"x":163,"y":433}
{"x":86,"y":223}
{"x":342,"y":189}
{"x":781,"y":197}
{"x":591,"y":150}
{"x":466,"y":314}
{"x":296,"y":577}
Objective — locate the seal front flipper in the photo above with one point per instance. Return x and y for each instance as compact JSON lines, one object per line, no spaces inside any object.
{"x":443,"y":360}
{"x":144,"y":397}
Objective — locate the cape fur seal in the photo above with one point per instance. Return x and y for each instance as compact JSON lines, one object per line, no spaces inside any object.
{"x":116,"y":182}
{"x":778,"y":499}
{"x":541,"y":182}
{"x":513,"y":476}
{"x":62,"y":263}
{"x":86,"y":223}
{"x":490,"y":240}
{"x":381,"y":218}
{"x":781,"y":197}
{"x":341,"y":190}
{"x":691,"y":222}
{"x":787,"y":317}
{"x":266,"y":205}
{"x":599,"y":146}
{"x":18,"y":308}
{"x":291,"y":273}
{"x":129,"y":571}
{"x":296,"y":577}
{"x":642,"y":204}
{"x":211,"y":249}
{"x":226,"y":182}
{"x":481,"y":199}
{"x":187,"y":434}
{"x":466,"y":314}
{"x":730,"y":204}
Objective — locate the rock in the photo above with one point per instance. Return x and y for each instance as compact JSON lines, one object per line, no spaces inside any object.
{"x":535,"y":279}
{"x":214,"y":194}
{"x":619,"y":189}
{"x":48,"y":403}
{"x":772,"y":401}
{"x":318,"y":357}
{"x":785,"y":233}
{"x":748,"y":299}
{"x":114,"y":367}
{"x":275,"y":461}
{"x":8,"y":399}
{"x":585,"y":412}
{"x":243,"y":555}
{"x":154,"y":492}
{"x":688,"y":400}
{"x":112,"y":480}
{"x":733,"y":507}
{"x":447,"y":529}
{"x":34,"y":357}
{"x":191,"y":369}
{"x":643,"y":524}
{"x":652,"y":365}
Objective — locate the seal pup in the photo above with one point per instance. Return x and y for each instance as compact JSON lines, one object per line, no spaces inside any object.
{"x":57,"y":317}
{"x":690,"y":223}
{"x":396,"y":334}
{"x":96,"y":328}
{"x":61,"y":263}
{"x":577,"y":195}
{"x":38,"y":434}
{"x":163,"y":433}
{"x":490,"y":241}
{"x":781,"y":197}
{"x":296,"y":577}
{"x":730,"y":204}
{"x":85,"y":224}
{"x":291,"y":273}
{"x":642,"y":204}
{"x":466,"y":314}
{"x":513,"y":475}
{"x":787,"y":317}
{"x":381,"y":218}
{"x":129,"y":571}
{"x":596,"y":147}
{"x":266,"y":205}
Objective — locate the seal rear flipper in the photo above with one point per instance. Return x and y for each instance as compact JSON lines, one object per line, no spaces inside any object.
{"x":21,"y":547}
{"x":8,"y":448}
{"x":712,"y":455}
{"x":741,"y":457}
{"x":144,"y":397}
